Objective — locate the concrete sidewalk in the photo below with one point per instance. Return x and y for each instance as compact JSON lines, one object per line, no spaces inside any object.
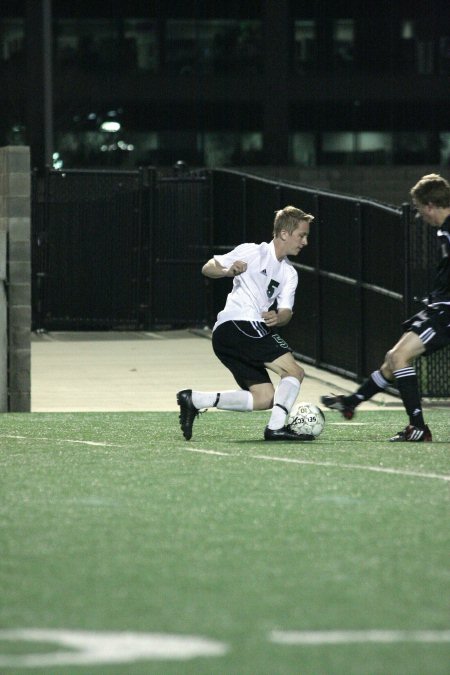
{"x":142,"y":371}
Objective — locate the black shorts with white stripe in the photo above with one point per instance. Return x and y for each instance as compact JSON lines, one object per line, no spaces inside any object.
{"x":432,"y":325}
{"x":244,"y":347}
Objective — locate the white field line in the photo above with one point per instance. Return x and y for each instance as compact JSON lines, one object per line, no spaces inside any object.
{"x":360,"y":467}
{"x":61,"y":440}
{"x":94,"y":648}
{"x":350,"y":424}
{"x":104,"y":445}
{"x":267,"y":458}
{"x":208,"y":452}
{"x":334,"y":637}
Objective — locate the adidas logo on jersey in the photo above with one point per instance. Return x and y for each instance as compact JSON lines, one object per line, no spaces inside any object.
{"x":264,"y":272}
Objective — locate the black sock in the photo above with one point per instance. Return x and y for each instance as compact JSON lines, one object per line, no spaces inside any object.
{"x":374,"y":384}
{"x":408,"y":387}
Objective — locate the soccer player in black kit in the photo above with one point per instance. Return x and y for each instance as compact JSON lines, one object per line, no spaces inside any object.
{"x":425,"y":332}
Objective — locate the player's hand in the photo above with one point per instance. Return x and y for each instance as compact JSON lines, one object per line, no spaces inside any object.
{"x":270,"y":318}
{"x":238,"y":267}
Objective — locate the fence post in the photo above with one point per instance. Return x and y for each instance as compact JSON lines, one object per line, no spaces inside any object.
{"x":244,"y":209}
{"x":148,"y":188}
{"x":3,"y":297}
{"x":360,"y":317}
{"x":318,"y":266}
{"x":406,"y":220}
{"x":15,"y":271}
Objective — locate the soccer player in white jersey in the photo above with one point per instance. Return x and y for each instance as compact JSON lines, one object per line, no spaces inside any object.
{"x":245,"y":337}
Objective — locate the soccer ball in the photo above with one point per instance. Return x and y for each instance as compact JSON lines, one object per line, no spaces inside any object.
{"x":306,"y":418}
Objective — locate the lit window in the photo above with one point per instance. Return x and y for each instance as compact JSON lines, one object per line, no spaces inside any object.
{"x":11,"y":38}
{"x":407,"y":29}
{"x":445,"y":148}
{"x":343,"y":41}
{"x":304,"y":43}
{"x":357,"y":147}
{"x":303,"y":149}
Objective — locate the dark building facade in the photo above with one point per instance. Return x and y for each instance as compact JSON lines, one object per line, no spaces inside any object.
{"x":226,"y":83}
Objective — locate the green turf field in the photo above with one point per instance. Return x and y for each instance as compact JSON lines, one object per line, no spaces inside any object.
{"x":317,"y":558}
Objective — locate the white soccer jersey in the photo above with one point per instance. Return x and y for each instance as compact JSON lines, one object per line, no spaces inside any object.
{"x":265,"y":279}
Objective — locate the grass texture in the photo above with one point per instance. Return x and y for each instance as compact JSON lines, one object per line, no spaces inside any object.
{"x":112,"y":522}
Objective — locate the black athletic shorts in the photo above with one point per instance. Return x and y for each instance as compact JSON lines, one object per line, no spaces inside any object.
{"x":432,"y":326}
{"x":244,"y":347}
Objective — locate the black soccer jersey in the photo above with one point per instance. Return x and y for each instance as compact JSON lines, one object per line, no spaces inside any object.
{"x":440,"y":295}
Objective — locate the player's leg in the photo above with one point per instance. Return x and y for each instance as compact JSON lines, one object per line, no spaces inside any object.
{"x":427,"y":332}
{"x":256,"y":393}
{"x":398,"y":362}
{"x":380,"y":379}
{"x":291,"y":376}
{"x":346,"y":405}
{"x":230,"y":346}
{"x":191,"y":402}
{"x":247,"y":354}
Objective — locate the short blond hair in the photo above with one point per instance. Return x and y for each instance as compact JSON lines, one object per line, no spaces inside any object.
{"x":288,"y":219}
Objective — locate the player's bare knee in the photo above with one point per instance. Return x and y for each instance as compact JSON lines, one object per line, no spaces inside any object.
{"x":262,"y":402}
{"x":262,"y":397}
{"x":386,"y":371}
{"x":267,"y":403}
{"x":389,"y":359}
{"x":396,"y":358}
{"x":298,"y":373}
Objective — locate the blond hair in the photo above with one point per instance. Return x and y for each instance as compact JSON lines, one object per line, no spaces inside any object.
{"x":288,"y":219}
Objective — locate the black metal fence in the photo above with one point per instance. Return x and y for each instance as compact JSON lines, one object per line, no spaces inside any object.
{"x":87,"y":250}
{"x":123,"y":250}
{"x":346,"y":278}
{"x":118,"y":250}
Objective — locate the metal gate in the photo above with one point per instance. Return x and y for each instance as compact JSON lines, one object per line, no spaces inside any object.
{"x":118,"y":250}
{"x":182,"y":237}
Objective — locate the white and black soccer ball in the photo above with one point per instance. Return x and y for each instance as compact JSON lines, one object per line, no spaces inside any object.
{"x":306,"y":418}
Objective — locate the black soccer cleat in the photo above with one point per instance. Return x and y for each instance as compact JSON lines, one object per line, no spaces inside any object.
{"x":285,"y":434}
{"x":413,"y":434}
{"x":188,"y":412}
{"x":338,"y":403}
